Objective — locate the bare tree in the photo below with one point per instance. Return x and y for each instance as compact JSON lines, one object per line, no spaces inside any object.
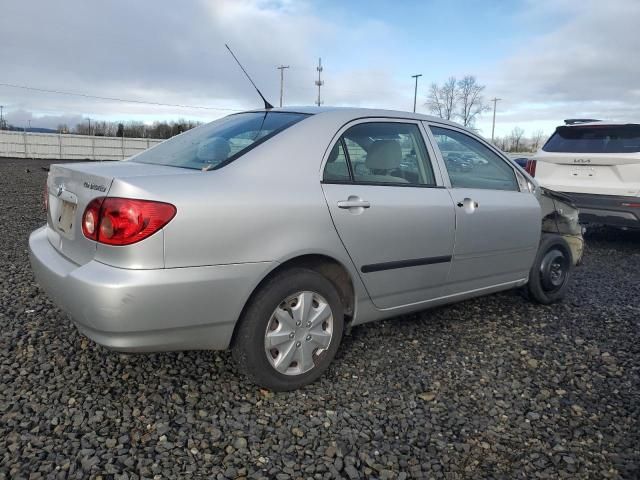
{"x":536,"y":139}
{"x":82,"y":128}
{"x":434,"y":102}
{"x":515,"y":138}
{"x":442,"y":100}
{"x":471,"y":100}
{"x":133,"y":129}
{"x":502,"y":143}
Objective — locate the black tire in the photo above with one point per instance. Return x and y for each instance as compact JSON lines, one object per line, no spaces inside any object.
{"x":551,"y":270}
{"x":249,"y":342}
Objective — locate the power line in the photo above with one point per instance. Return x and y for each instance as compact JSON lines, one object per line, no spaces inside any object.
{"x":115,"y":99}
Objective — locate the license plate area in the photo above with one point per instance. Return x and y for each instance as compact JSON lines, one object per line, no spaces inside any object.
{"x":65,"y":217}
{"x":583,"y":171}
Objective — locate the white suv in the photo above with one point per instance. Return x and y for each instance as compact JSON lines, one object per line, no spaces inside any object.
{"x":597,"y":164}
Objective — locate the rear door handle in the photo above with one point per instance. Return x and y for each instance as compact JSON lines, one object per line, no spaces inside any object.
{"x":353,"y":204}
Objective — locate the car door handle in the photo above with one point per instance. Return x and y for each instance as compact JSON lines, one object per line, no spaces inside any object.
{"x":353,"y":204}
{"x":468,"y":204}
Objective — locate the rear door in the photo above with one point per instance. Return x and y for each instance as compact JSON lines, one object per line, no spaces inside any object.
{"x":497,"y":224}
{"x":391,"y":210}
{"x":596,"y":159}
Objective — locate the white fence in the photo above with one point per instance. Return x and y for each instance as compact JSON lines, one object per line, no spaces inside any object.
{"x":70,"y":147}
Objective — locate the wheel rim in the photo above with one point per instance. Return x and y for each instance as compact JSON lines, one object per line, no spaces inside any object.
{"x":299,"y":330}
{"x":553,"y":270}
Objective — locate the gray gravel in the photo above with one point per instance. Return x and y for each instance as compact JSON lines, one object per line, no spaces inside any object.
{"x":494,"y":387}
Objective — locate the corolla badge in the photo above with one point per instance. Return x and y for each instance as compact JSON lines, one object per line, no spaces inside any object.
{"x":95,"y":186}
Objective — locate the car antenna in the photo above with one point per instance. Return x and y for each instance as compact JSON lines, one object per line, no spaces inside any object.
{"x":267,"y":105}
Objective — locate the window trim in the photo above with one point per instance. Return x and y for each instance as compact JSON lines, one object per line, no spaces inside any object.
{"x":482,"y":141}
{"x":431,"y":154}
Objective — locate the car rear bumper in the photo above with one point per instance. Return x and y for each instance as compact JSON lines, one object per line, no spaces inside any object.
{"x":611,"y":210}
{"x":146,"y":310}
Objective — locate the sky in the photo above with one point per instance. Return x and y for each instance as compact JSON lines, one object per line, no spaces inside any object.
{"x":546,"y":59}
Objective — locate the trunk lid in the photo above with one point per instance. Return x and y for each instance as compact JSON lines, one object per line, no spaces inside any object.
{"x":72,"y":186}
{"x":596,"y":173}
{"x":593,"y":157}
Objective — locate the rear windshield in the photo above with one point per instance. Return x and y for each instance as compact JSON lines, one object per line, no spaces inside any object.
{"x":218,"y":143}
{"x":595,"y":139}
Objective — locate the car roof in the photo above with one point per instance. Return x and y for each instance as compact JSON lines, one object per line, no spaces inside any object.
{"x":357,"y":112}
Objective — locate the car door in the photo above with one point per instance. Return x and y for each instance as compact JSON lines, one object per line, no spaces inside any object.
{"x":390,"y":209}
{"x":498,"y":222}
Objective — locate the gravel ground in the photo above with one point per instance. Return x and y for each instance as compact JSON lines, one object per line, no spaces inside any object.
{"x":494,"y":387}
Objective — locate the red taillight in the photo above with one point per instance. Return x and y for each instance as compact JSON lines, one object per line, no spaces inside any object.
{"x":90,"y":218}
{"x":631,"y":205}
{"x":530,"y":167}
{"x":123,"y":221}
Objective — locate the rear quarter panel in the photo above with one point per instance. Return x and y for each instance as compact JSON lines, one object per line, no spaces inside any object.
{"x":266,"y":206}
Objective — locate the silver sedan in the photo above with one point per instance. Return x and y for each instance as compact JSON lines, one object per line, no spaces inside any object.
{"x":269,"y":232}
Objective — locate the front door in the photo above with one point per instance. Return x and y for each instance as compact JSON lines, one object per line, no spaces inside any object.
{"x":391,"y":211}
{"x":497,"y":225}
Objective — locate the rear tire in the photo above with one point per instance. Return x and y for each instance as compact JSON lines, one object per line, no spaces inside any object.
{"x":290,"y":331}
{"x":551,"y":270}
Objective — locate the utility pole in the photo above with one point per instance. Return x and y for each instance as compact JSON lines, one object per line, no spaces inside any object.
{"x":89,"y":126}
{"x":319,"y":82}
{"x":415,"y":91}
{"x":1,"y":117}
{"x":282,"y":68}
{"x":495,"y":100}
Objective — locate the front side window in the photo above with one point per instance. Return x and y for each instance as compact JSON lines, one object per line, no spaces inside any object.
{"x":595,"y":139}
{"x":383,"y":153}
{"x":471,"y":164}
{"x":217,"y":143}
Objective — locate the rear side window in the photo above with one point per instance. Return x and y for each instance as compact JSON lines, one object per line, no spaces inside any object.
{"x":470,"y":164}
{"x":595,"y":139}
{"x":388,"y":153}
{"x":219,"y":142}
{"x":337,"y":168}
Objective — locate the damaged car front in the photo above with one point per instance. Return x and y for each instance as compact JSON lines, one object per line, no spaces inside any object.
{"x":560,"y":217}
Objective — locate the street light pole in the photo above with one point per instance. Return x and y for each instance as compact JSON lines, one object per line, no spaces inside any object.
{"x":282,"y":68}
{"x":495,"y":100}
{"x":415,"y":91}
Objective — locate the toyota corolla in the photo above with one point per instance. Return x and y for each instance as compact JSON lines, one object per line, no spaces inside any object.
{"x":270,"y":232}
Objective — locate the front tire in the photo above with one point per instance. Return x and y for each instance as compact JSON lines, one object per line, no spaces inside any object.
{"x":551,"y":270}
{"x":290,"y":330}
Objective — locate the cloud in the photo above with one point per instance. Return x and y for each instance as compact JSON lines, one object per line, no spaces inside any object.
{"x":164,"y":52}
{"x":174,"y":53}
{"x":586,"y":65}
{"x":570,"y":58}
